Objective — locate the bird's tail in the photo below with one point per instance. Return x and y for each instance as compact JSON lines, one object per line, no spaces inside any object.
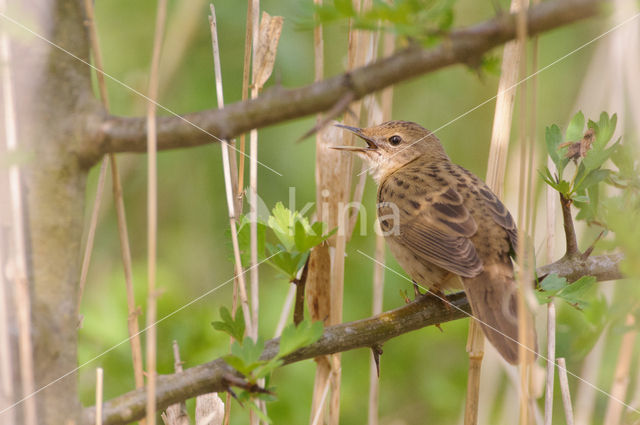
{"x":494,"y":302}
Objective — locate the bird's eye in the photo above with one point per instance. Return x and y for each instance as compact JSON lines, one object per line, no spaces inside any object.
{"x":395,"y":140}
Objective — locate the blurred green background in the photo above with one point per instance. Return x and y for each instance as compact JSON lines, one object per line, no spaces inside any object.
{"x":423,"y":374}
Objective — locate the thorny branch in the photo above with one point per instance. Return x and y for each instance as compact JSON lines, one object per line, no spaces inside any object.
{"x":370,"y":332}
{"x":127,"y":134}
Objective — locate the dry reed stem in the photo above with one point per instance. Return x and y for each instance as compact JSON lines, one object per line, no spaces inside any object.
{"x":209,"y":409}
{"x":182,"y":29}
{"x":7,"y":392}
{"x":253,"y":182}
{"x":502,"y":123}
{"x":133,"y":312}
{"x":475,"y":350}
{"x":319,"y":280}
{"x":524,"y":254}
{"x":176,"y":414}
{"x":316,"y":419}
{"x":495,"y":180}
{"x":564,"y":389}
{"x":386,"y":104}
{"x":286,"y":310}
{"x":376,"y":308}
{"x":19,"y":261}
{"x":152,"y":213}
{"x":229,"y":190}
{"x":358,"y":44}
{"x":621,"y":376}
{"x":93,"y":223}
{"x":99,"y":397}
{"x":91,"y":233}
{"x":246,"y":76}
{"x":551,"y":363}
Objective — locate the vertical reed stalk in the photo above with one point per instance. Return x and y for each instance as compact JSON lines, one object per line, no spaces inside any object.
{"x":152,"y":211}
{"x":229,"y":190}
{"x":386,"y":100}
{"x":524,"y":253}
{"x":564,"y":389}
{"x":133,"y":312}
{"x":99,"y":398}
{"x":551,"y":361}
{"x":319,"y":279}
{"x":253,"y":177}
{"x":621,"y":375}
{"x":18,"y":257}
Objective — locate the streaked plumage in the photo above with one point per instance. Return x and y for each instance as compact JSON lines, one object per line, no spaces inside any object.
{"x":448,"y":223}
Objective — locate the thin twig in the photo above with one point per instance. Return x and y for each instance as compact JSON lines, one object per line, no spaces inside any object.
{"x":564,"y":389}
{"x":569,"y":229}
{"x":99,"y":388}
{"x":19,"y":261}
{"x":298,"y":312}
{"x":152,"y":213}
{"x":365,"y":333}
{"x":120,"y":134}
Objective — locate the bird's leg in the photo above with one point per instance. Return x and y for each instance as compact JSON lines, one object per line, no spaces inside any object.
{"x":416,"y":289}
{"x":436,"y":293}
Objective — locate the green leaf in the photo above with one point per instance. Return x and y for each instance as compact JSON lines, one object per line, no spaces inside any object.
{"x":594,"y":177}
{"x":345,"y":7}
{"x":294,"y":337}
{"x":287,"y":262}
{"x":282,"y":222}
{"x":244,"y":239}
{"x":267,"y":368}
{"x":553,"y":137}
{"x":575,"y":129}
{"x":604,"y":129}
{"x":553,"y":283}
{"x":235,"y":328}
{"x":245,"y":357}
{"x":576,"y":293}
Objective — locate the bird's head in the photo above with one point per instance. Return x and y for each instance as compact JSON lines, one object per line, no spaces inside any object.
{"x":394,"y":144}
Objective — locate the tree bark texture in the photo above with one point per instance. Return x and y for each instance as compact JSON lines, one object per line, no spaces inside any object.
{"x":54,"y":102}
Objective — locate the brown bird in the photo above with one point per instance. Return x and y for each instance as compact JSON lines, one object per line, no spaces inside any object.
{"x":441,"y":221}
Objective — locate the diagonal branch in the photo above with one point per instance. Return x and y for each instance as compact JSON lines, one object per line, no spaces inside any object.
{"x":370,"y":332}
{"x":122,"y":134}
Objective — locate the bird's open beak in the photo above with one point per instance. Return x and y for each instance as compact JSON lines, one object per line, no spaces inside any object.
{"x":371,"y":144}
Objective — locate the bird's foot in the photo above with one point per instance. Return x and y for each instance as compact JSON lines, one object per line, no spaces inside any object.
{"x":416,"y":290}
{"x":441,"y":297}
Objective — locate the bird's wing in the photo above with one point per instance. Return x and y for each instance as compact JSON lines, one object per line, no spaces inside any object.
{"x":499,"y":213}
{"x":435,"y":226}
